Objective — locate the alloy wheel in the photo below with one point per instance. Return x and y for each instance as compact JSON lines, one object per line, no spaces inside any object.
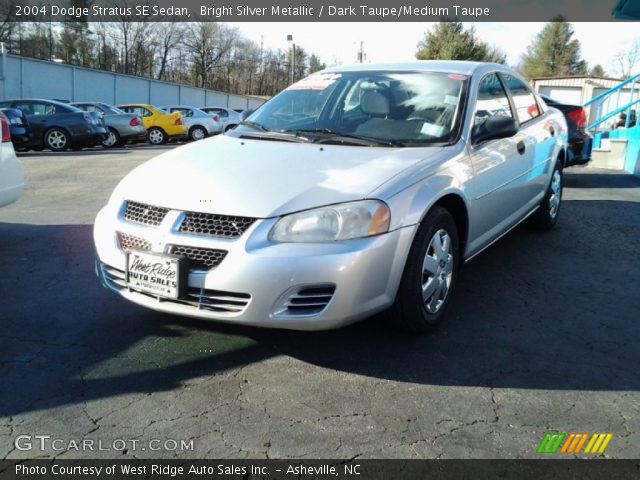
{"x":57,"y":139}
{"x":437,"y":271}
{"x":111,"y":140}
{"x":555,"y":193}
{"x":156,"y":137}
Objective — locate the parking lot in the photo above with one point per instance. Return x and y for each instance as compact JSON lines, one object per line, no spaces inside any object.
{"x":543,"y":335}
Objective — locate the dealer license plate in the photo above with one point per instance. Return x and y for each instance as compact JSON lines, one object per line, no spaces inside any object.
{"x":161,"y":275}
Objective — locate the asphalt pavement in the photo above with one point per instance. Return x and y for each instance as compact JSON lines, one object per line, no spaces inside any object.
{"x":543,"y":336}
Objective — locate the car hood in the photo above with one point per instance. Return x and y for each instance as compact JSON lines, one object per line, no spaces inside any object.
{"x":264,"y":178}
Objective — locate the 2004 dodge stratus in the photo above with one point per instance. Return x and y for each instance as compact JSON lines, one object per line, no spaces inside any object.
{"x":354,"y":191}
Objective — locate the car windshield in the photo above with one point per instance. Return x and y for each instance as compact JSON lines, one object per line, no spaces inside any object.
{"x":408,"y":108}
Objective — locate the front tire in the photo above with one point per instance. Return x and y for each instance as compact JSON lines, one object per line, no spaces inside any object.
{"x":156,"y":136}
{"x":546,"y":216}
{"x":430,"y":274}
{"x":56,"y":139}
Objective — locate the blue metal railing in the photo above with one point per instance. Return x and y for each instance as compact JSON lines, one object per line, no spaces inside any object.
{"x":603,"y":103}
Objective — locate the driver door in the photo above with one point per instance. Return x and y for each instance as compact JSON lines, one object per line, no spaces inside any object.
{"x":500,"y":167}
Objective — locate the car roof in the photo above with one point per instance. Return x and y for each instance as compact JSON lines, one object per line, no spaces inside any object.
{"x":448,"y":66}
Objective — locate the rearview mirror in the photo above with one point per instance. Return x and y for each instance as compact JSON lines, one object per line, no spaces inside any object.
{"x":497,"y":126}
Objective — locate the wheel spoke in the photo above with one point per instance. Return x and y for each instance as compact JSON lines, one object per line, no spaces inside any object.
{"x":435,"y":298}
{"x":446,"y":245}
{"x":430,"y":265}
{"x":436,"y":242}
{"x":428,"y":288}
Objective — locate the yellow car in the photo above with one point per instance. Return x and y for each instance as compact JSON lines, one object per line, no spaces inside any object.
{"x":160,"y":125}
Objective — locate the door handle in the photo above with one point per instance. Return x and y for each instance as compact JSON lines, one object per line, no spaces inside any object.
{"x":520,"y":146}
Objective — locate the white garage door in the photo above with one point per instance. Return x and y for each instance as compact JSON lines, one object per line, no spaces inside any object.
{"x":571,"y":95}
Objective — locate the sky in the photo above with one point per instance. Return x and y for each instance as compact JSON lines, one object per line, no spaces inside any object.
{"x":338,"y":43}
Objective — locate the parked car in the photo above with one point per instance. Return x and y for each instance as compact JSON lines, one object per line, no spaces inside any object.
{"x":199,"y":124}
{"x":160,"y":126}
{"x":622,"y":119}
{"x":580,"y":141}
{"x":229,"y":117}
{"x":58,"y":126}
{"x":318,"y":211}
{"x":122,"y":127}
{"x":19,"y":128}
{"x":11,"y":174}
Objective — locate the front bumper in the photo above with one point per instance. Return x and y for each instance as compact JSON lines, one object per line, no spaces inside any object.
{"x":258,"y":277}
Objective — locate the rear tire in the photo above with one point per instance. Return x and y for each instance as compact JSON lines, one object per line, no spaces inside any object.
{"x":197,"y":133}
{"x":56,"y":139}
{"x":156,"y":136}
{"x":546,"y":216}
{"x":430,"y":274}
{"x":113,"y":140}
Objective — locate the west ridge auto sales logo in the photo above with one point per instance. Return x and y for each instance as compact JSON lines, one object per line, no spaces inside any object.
{"x":573,"y":442}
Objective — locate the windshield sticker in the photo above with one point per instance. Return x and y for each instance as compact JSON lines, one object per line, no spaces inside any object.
{"x":457,"y":76}
{"x":316,"y":82}
{"x":450,"y":99}
{"x":431,"y":129}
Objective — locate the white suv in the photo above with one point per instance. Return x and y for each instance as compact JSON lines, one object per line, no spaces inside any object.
{"x":11,"y":174}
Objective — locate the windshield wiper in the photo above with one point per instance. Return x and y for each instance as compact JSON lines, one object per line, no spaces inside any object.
{"x":254,"y":125}
{"x":332,"y":135}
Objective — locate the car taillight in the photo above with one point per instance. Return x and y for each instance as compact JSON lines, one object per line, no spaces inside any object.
{"x":216,"y":118}
{"x":134,"y":122}
{"x":4,"y":124}
{"x":578,"y":116}
{"x":178,"y":121}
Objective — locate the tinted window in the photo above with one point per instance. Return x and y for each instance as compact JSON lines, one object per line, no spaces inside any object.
{"x":525,"y":102}
{"x":185,"y":112}
{"x":492,"y":99}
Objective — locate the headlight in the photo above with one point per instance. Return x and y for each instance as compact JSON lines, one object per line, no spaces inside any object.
{"x":336,"y":222}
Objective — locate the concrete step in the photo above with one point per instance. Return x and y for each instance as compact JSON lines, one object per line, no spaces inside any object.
{"x":610,"y":156}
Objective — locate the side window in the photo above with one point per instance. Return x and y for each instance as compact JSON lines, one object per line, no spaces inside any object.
{"x":526,"y":105}
{"x":221,"y":113}
{"x":25,"y":108}
{"x":185,"y":112}
{"x":492,"y":99}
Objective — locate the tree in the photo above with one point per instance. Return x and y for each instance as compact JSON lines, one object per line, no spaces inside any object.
{"x":554,"y":52}
{"x":627,"y":59}
{"x":597,"y":71}
{"x":449,"y":40}
{"x":315,"y":64}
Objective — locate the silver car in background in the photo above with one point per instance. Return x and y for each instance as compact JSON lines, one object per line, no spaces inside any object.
{"x":199,"y":124}
{"x":354,"y":191}
{"x":122,"y":127}
{"x":229,"y":117}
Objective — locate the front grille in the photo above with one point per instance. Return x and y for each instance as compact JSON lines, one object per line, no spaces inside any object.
{"x":223,"y":303}
{"x":307,"y":301}
{"x":130,"y":242}
{"x":200,"y":258}
{"x":144,"y":214}
{"x":212,"y":225}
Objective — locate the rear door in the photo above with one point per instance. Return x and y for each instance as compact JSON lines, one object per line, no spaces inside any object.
{"x":537,"y":131}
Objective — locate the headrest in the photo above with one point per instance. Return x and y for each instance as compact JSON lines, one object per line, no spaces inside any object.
{"x":374,"y":103}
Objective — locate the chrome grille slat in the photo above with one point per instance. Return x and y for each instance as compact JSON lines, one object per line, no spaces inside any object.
{"x":144,"y":214}
{"x":214,"y":225}
{"x":197,"y":298}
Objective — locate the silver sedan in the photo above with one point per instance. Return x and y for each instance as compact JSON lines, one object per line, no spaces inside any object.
{"x":354,"y":191}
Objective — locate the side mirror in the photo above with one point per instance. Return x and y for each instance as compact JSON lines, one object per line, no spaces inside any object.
{"x":497,"y":126}
{"x":246,"y":114}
